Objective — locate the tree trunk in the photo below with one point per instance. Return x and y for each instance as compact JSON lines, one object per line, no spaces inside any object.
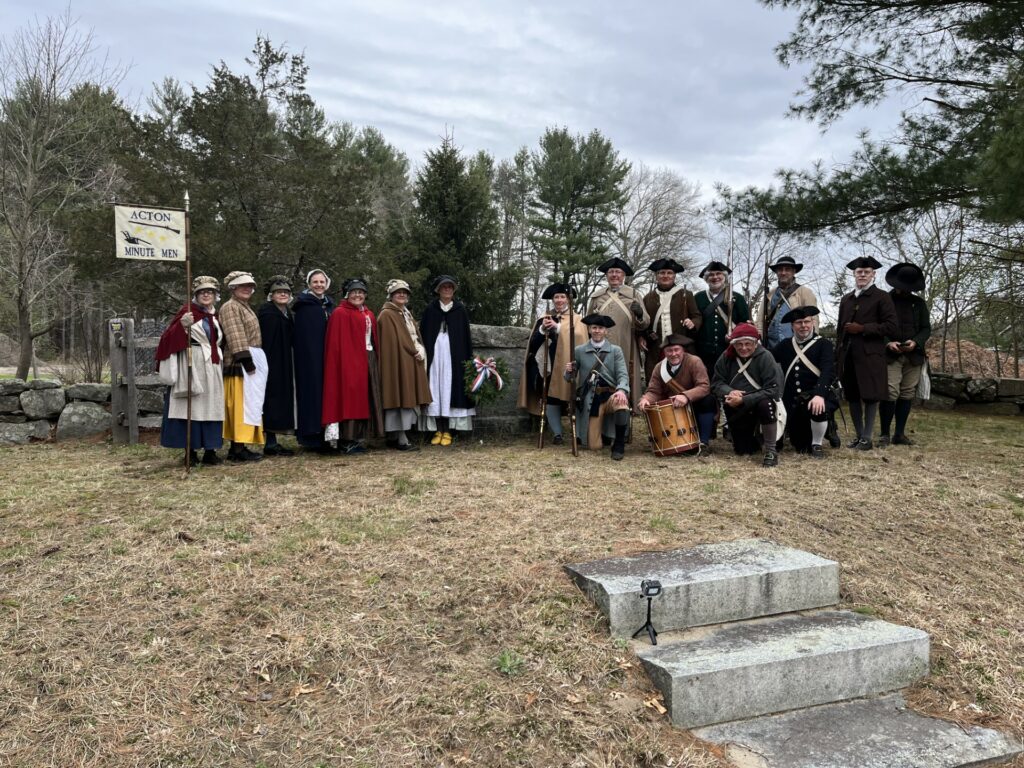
{"x":24,"y":339}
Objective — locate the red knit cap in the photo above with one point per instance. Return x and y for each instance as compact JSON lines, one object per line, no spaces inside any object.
{"x":745,"y":331}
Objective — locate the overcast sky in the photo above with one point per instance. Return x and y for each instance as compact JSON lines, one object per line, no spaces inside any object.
{"x":693,"y":86}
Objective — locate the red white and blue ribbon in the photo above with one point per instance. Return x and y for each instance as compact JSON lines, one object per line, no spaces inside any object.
{"x":484,"y":370}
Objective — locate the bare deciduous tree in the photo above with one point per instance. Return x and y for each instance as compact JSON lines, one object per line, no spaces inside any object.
{"x":53,"y":157}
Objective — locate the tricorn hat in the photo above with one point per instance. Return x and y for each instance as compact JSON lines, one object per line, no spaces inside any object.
{"x":596,"y":319}
{"x":676,"y":340}
{"x":278,"y":283}
{"x":799,"y":314}
{"x":715,"y":266}
{"x":442,"y":279}
{"x":864,"y":262}
{"x":615,"y":263}
{"x":659,"y":264}
{"x":551,"y":290}
{"x":786,"y":261}
{"x":354,"y":284}
{"x":204,"y":282}
{"x":239,"y":277}
{"x":905,"y":276}
{"x":397,"y":285}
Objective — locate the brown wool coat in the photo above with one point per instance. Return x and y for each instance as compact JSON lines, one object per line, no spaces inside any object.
{"x":403,"y":378}
{"x":682,"y":307}
{"x":863,"y":355}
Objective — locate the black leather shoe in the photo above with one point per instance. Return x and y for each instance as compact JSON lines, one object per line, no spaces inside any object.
{"x":618,"y":451}
{"x":211,"y":458}
{"x":771,"y":459}
{"x":817,"y":452}
{"x":407,"y":447}
{"x":864,"y":444}
{"x":557,"y":440}
{"x":834,"y":441}
{"x":902,"y":440}
{"x":277,"y":450}
{"x":883,"y":441}
{"x":853,"y":443}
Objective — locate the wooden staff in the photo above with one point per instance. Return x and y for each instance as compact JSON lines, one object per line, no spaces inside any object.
{"x":572,"y":357}
{"x":546,"y":383}
{"x":188,"y":345}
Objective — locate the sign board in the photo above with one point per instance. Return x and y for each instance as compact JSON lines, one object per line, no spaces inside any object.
{"x":149,"y":234}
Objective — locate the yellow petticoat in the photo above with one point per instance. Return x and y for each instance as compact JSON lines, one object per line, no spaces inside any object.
{"x":234,"y":426}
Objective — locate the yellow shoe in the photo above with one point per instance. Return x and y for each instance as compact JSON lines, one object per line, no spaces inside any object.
{"x":446,"y":438}
{"x":436,"y":439}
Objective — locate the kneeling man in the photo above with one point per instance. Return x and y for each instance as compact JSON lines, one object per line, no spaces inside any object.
{"x":808,"y":364}
{"x":749,"y":380}
{"x":682,"y":378}
{"x":602,"y":396}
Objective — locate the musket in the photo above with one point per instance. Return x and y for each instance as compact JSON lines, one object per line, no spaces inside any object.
{"x":572,"y":380}
{"x":764,"y":302}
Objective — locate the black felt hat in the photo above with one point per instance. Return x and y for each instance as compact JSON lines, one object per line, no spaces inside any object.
{"x":786,"y":261}
{"x":864,"y":262}
{"x":442,"y":279}
{"x":660,"y":264}
{"x":715,"y":266}
{"x":551,"y":290}
{"x":597,"y":319}
{"x":354,"y":284}
{"x":676,"y":340}
{"x":799,"y":314}
{"x":615,"y":262}
{"x":905,"y":276}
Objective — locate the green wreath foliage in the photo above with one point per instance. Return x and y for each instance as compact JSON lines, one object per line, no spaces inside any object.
{"x":488,"y":392}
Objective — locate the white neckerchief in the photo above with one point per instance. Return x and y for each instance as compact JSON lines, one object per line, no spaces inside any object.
{"x":446,"y":307}
{"x":664,"y":314}
{"x":410,"y":326}
{"x":369,"y":330}
{"x":598,"y":345}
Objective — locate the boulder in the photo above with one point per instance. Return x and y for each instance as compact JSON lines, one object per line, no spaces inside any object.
{"x":94,"y":393}
{"x":939,"y":403}
{"x":949,"y":384}
{"x":991,"y":409}
{"x":150,"y":401}
{"x":12,"y":386}
{"x":501,"y":336}
{"x":1010,"y":388}
{"x":150,"y":422}
{"x":981,"y":390}
{"x":81,"y":420}
{"x":20,"y":434}
{"x":13,"y":418}
{"x":10,"y":404}
{"x":44,"y":384}
{"x":42,"y":403}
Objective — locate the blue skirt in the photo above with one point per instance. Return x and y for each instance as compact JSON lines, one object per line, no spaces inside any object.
{"x":208,"y":435}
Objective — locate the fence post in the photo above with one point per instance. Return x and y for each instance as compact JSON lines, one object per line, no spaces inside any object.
{"x":124,"y":402}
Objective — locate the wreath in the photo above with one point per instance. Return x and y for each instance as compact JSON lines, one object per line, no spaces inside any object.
{"x":484,"y":379}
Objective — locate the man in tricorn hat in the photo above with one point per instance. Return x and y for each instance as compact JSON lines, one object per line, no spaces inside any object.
{"x":788,"y":294}
{"x":602,"y":414}
{"x":673,"y":311}
{"x":681,"y":378}
{"x":622,"y":304}
{"x":867,"y":317}
{"x":807,"y":361}
{"x":721,"y":310}
{"x":548,"y":352}
{"x":905,"y":350}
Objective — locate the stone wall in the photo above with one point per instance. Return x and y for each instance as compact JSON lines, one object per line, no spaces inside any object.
{"x":976,"y":394}
{"x":44,"y":409}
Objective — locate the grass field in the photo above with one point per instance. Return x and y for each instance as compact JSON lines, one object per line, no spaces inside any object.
{"x":392,"y":610}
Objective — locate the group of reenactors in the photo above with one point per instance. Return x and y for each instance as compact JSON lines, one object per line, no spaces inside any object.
{"x":671,"y":349}
{"x":336,"y":374}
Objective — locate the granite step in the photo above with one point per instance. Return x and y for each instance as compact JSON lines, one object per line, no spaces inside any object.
{"x":708,"y":584}
{"x":864,"y":733}
{"x":746,"y":669}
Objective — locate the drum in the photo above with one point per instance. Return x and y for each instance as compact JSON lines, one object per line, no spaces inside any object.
{"x":672,"y":430}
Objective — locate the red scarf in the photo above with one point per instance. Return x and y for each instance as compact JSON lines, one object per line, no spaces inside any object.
{"x":175,"y":339}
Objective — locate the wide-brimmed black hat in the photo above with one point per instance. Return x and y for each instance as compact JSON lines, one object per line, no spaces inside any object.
{"x":799,"y":314}
{"x":905,"y":276}
{"x":676,"y":340}
{"x":613,"y":263}
{"x":442,"y":279}
{"x":596,"y":319}
{"x":786,"y":261}
{"x":660,"y":264}
{"x":551,"y":290}
{"x":354,"y":284}
{"x":864,"y":262}
{"x":715,"y":266}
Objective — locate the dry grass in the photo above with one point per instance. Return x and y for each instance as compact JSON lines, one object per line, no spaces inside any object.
{"x":390,"y":610}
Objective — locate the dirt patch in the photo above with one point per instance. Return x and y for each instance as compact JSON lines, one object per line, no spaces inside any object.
{"x":393,"y":610}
